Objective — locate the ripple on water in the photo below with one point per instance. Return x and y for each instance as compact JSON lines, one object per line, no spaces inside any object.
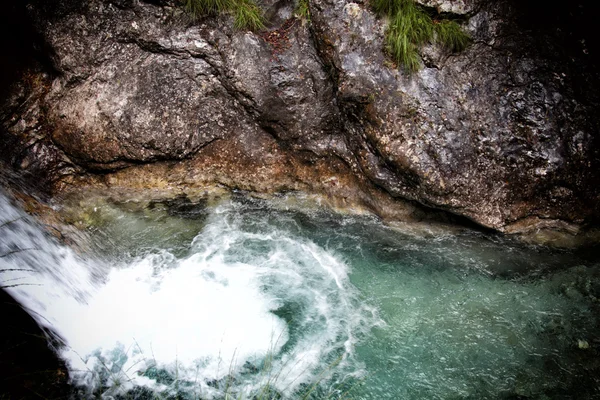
{"x":251,"y":299}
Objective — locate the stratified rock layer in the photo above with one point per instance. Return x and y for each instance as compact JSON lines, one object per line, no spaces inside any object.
{"x":503,"y":133}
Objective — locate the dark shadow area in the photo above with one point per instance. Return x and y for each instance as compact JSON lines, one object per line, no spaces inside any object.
{"x":564,"y":32}
{"x":23,"y":46}
{"x":29,"y":369}
{"x":572,"y":25}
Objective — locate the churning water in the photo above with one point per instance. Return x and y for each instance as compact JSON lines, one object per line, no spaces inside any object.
{"x":246,"y":300}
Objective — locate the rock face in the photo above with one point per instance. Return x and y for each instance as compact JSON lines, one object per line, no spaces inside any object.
{"x":503,"y":133}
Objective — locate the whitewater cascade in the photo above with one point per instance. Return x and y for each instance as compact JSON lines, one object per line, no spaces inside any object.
{"x":201,"y":319}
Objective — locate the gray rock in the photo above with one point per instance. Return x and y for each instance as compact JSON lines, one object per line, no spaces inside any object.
{"x":499,"y":133}
{"x":486,"y":133}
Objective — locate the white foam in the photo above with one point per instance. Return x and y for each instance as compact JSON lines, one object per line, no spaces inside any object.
{"x":199,"y":317}
{"x":201,"y":314}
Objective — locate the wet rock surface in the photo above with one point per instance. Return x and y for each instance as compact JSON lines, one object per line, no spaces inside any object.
{"x":503,"y":133}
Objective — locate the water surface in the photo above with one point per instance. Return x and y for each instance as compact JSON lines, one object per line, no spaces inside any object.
{"x":246,"y":299}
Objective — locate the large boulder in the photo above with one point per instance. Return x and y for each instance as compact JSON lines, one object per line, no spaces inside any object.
{"x":503,"y":133}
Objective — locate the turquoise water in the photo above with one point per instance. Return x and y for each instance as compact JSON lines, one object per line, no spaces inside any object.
{"x":246,"y":299}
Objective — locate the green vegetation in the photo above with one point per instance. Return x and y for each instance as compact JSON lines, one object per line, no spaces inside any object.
{"x":247,"y":15}
{"x":451,"y":35}
{"x":411,"y":27}
{"x":302,"y":10}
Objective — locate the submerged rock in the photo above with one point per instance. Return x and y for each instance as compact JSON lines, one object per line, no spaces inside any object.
{"x":138,"y":95}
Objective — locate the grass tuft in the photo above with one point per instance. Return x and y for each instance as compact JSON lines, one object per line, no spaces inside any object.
{"x":247,"y":15}
{"x":388,"y":7}
{"x":303,"y":10}
{"x":411,"y":27}
{"x":450,"y":35}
